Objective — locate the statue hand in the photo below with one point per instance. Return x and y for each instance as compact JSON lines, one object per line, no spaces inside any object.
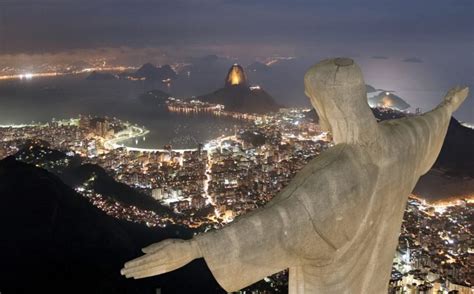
{"x":162,"y":257}
{"x":456,"y":96}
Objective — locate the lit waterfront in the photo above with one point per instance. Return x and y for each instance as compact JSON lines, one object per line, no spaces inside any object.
{"x":99,"y":142}
{"x":31,"y":75}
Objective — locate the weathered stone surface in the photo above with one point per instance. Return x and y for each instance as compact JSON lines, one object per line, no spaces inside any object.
{"x":336,"y":225}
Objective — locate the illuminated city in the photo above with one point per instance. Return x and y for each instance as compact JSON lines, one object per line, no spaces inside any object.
{"x":157,"y":147}
{"x":210,"y":185}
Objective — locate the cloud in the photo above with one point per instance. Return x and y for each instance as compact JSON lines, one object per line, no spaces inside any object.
{"x":44,"y":26}
{"x":413,"y":60}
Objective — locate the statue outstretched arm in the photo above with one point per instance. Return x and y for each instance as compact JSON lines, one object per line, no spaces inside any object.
{"x":263,"y":242}
{"x":162,"y":257}
{"x":254,"y":246}
{"x":429,"y":129}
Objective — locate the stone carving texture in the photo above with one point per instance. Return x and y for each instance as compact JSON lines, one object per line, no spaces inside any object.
{"x":336,"y":225}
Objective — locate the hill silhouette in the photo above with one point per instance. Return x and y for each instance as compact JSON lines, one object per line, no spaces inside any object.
{"x":241,"y":98}
{"x":73,"y":173}
{"x":457,"y":154}
{"x":55,"y":241}
{"x":151,"y":72}
{"x":236,"y":95}
{"x":387,"y":99}
{"x":106,"y":185}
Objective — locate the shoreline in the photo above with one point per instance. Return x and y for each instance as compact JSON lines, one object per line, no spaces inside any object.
{"x":451,"y":201}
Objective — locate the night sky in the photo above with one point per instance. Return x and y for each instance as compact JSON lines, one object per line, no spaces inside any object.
{"x":37,"y":26}
{"x":436,"y":38}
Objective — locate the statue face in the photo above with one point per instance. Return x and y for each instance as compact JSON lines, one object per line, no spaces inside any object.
{"x":323,"y":121}
{"x":325,"y":126}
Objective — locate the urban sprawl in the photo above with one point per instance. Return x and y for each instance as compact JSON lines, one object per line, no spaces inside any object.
{"x":209,"y":185}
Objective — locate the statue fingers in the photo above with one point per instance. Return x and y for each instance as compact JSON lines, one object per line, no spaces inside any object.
{"x":457,"y":95}
{"x":147,"y":258}
{"x":463,"y":92}
{"x":138,"y":268}
{"x":153,"y":268}
{"x":157,"y":270}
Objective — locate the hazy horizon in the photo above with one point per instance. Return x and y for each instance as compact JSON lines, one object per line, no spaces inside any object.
{"x":418,"y":50}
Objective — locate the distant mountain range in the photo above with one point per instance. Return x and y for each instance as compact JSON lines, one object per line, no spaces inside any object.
{"x":236,"y":95}
{"x":202,"y":75}
{"x":147,"y":72}
{"x":151,"y":72}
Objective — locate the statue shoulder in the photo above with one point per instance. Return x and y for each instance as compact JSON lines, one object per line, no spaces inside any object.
{"x":318,"y":164}
{"x":336,"y":189}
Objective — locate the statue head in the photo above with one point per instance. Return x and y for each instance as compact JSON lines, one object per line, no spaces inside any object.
{"x":337,"y":91}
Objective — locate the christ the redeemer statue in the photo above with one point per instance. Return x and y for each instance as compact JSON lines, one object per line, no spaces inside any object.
{"x":336,"y":225}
